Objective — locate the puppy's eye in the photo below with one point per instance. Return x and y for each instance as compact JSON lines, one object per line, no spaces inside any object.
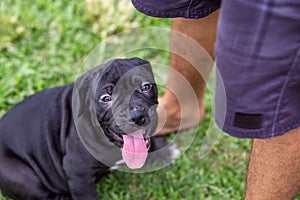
{"x":146,"y":87}
{"x":105,"y":98}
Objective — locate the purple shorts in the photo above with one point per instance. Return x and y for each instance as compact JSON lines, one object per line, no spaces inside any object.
{"x":180,"y":8}
{"x":257,"y":58}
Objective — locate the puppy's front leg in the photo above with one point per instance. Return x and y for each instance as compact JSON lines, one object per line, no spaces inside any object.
{"x":81,"y":181}
{"x":80,"y":171}
{"x":82,"y":188}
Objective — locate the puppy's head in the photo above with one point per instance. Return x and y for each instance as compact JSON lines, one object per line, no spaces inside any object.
{"x":126,"y":100}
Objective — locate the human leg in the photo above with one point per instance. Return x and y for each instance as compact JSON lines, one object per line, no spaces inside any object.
{"x":203,"y":31}
{"x":274,"y":168}
{"x":260,"y":72}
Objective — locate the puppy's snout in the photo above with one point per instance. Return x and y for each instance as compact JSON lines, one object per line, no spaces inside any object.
{"x":137,"y":116}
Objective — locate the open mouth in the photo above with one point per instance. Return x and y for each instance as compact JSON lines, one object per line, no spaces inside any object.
{"x":117,"y":138}
{"x":134,"y":147}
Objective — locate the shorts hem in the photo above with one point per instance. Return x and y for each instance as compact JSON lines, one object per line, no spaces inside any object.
{"x":259,"y":134}
{"x":195,"y":14}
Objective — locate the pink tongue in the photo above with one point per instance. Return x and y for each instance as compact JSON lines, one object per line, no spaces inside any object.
{"x":134,"y":150}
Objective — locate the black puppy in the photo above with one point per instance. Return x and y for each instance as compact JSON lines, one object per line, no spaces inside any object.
{"x":45,"y":155}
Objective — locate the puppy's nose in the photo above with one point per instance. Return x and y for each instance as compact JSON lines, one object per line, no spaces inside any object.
{"x":137,"y":116}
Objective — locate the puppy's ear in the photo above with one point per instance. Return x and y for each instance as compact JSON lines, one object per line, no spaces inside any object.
{"x":138,"y":61}
{"x":84,"y":114}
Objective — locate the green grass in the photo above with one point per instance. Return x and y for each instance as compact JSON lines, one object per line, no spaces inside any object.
{"x":43,"y":43}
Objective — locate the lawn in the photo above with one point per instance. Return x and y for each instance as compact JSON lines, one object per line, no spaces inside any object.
{"x":46,"y":43}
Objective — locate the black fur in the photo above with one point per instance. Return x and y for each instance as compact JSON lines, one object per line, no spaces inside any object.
{"x":41,"y":154}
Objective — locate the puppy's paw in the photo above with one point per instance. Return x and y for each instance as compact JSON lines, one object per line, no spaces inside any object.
{"x":162,"y":152}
